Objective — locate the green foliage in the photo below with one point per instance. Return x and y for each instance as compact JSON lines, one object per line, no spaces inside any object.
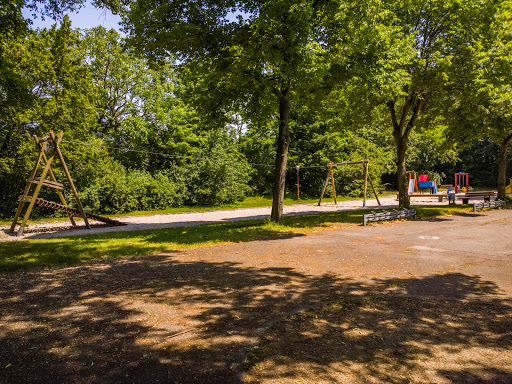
{"x":220,"y":177}
{"x":150,"y":132}
{"x":53,"y":94}
{"x":119,"y":190}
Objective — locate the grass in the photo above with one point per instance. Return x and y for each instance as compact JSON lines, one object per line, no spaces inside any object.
{"x":34,"y":254}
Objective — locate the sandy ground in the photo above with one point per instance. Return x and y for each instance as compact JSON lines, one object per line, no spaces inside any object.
{"x":185,"y":317}
{"x":44,"y":230}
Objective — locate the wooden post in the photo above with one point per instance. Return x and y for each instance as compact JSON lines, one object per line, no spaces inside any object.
{"x":365,"y":168}
{"x":34,"y":196}
{"x":27,"y":187}
{"x":373,"y":188}
{"x":332,"y":181}
{"x":56,"y":140}
{"x":325,"y":187}
{"x":298,"y":182}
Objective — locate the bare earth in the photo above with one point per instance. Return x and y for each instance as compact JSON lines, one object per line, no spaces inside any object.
{"x":416,"y":301}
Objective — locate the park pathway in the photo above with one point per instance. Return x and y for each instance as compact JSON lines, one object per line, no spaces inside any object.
{"x":184,"y":317}
{"x":59,"y":229}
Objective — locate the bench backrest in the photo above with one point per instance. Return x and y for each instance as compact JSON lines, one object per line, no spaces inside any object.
{"x":482,"y":193}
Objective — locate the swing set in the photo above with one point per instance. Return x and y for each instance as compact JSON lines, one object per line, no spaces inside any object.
{"x":50,"y":144}
{"x":330,"y":176}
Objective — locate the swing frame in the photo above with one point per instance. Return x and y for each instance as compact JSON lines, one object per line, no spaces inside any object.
{"x":50,"y":141}
{"x":330,"y":175}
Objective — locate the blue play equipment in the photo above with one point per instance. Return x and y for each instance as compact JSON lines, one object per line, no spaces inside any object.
{"x":423,"y":182}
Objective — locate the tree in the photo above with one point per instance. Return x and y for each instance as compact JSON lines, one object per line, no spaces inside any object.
{"x":484,"y":109}
{"x":497,"y":75}
{"x":255,"y":54}
{"x":118,"y":76}
{"x":56,"y":85}
{"x":443,"y":35}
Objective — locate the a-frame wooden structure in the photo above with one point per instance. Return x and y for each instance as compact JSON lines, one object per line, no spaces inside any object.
{"x":330,"y":175}
{"x":49,"y":142}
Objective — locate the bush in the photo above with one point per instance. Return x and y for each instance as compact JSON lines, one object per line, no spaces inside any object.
{"x":220,"y":178}
{"x":120,"y":190}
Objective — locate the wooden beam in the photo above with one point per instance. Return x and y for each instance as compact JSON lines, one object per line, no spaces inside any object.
{"x":28,"y":185}
{"x":350,"y":163}
{"x":332,"y":181}
{"x":323,"y":190}
{"x":47,"y":183}
{"x":56,"y":140}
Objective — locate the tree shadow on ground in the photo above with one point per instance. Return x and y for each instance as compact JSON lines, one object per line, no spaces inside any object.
{"x":419,"y":334}
{"x":166,"y":319}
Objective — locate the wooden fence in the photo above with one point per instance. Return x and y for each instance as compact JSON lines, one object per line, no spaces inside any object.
{"x":389,"y":215}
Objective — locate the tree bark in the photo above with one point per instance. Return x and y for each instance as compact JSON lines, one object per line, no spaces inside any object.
{"x":283,"y":142}
{"x":502,"y":167}
{"x":403,"y":184}
{"x":401,"y":133}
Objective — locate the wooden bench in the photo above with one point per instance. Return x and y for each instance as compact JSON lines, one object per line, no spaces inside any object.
{"x":389,"y":215}
{"x":440,"y":197}
{"x":488,"y":204}
{"x":485,"y":194}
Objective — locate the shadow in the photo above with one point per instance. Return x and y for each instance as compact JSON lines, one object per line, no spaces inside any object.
{"x":438,"y":219}
{"x":389,"y":340}
{"x":451,"y":285}
{"x":177,"y":319}
{"x":421,"y":333}
{"x":480,"y":376}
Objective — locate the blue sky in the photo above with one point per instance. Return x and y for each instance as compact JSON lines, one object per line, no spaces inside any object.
{"x":87,"y":17}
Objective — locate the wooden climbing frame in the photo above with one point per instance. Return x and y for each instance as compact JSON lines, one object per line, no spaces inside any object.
{"x":50,"y":143}
{"x":330,"y":176}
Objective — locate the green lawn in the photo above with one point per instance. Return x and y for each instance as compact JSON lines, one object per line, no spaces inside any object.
{"x":30,"y":254}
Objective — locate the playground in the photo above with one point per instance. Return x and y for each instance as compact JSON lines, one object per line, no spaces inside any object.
{"x":417,"y":292}
{"x":48,"y":149}
{"x":415,"y":302}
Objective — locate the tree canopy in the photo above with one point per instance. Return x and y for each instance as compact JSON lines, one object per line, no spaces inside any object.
{"x":265,"y":56}
{"x":192,"y":105}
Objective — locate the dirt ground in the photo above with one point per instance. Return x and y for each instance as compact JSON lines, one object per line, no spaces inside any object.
{"x":388,"y":340}
{"x":417,"y":301}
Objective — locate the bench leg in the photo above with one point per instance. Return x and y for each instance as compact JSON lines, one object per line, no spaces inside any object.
{"x":465,"y":200}
{"x":440,"y":198}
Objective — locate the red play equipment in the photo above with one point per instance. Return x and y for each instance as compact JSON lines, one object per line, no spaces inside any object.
{"x":460,"y":180}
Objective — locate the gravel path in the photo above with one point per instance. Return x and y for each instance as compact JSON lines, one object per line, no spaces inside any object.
{"x":50,"y":230}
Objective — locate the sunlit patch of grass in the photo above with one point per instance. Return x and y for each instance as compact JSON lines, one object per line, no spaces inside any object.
{"x":24,"y":255}
{"x":440,"y":210}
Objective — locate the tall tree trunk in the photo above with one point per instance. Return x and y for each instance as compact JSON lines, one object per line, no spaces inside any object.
{"x":283,"y":142}
{"x":502,"y":167}
{"x":401,"y":132}
{"x":403,"y":184}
